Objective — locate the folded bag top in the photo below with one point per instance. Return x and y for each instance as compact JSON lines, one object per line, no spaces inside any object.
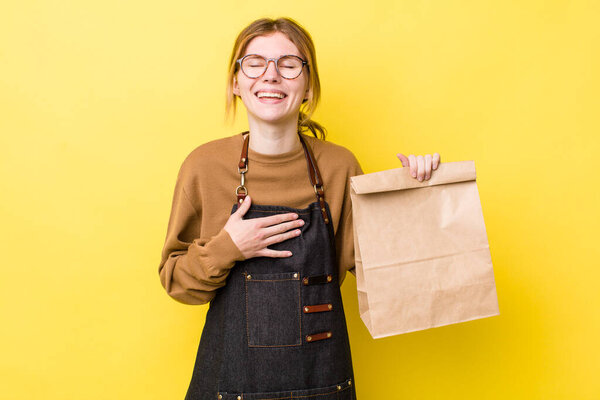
{"x":399,"y":178}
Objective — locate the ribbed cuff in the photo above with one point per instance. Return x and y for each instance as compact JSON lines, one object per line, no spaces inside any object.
{"x":222,"y":251}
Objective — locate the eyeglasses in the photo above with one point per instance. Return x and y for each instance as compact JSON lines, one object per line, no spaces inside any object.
{"x":288,"y":66}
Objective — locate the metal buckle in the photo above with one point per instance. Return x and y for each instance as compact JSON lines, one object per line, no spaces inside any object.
{"x":242,"y":187}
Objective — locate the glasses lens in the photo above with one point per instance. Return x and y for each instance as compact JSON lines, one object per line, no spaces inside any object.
{"x":253,"y":66}
{"x":289,"y":66}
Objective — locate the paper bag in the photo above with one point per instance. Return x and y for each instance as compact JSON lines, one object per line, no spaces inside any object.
{"x":422,"y":254}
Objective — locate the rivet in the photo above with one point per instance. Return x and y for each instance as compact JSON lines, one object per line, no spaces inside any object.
{"x":295,"y":275}
{"x":239,"y":398}
{"x":326,"y":220}
{"x":305,"y":281}
{"x":322,"y":209}
{"x":339,"y":387}
{"x":248,"y":276}
{"x":328,"y":334}
{"x":220,"y":396}
{"x":306,"y":309}
{"x":350,"y":382}
{"x":308,"y":338}
{"x":329,"y":278}
{"x":329,"y":306}
{"x":241,"y":201}
{"x":243,"y":159}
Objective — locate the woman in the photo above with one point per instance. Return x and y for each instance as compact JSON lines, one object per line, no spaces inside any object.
{"x":272,"y":264}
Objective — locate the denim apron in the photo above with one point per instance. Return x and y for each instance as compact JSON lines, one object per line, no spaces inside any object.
{"x":277,"y":329}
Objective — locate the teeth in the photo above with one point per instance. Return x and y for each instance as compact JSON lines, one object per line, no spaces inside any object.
{"x":269,"y":94}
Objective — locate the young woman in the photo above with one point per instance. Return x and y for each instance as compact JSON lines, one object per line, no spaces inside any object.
{"x":261,"y":227}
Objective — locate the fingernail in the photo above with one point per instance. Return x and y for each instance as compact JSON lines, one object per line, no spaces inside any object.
{"x":420,"y":179}
{"x":289,"y":253}
{"x":414,"y":174}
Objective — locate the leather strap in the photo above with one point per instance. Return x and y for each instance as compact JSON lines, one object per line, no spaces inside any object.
{"x":314,"y":280}
{"x":317,"y":308}
{"x":318,"y":336}
{"x":313,"y":172}
{"x":241,"y":191}
{"x":243,"y":165}
{"x":315,"y":178}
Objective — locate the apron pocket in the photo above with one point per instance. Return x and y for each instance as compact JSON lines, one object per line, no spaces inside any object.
{"x":273,"y":309}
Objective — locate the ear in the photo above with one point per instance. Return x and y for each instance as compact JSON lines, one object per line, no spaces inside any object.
{"x":306,"y":94}
{"x":236,"y":87}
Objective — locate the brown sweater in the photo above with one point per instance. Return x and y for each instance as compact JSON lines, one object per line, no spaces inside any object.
{"x":198,"y":253}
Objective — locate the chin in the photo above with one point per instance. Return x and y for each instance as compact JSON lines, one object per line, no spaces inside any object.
{"x":273,"y":118}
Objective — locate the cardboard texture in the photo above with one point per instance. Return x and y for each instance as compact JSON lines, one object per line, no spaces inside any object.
{"x":422,"y":254}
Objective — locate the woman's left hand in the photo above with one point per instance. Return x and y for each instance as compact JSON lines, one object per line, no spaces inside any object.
{"x":420,"y":166}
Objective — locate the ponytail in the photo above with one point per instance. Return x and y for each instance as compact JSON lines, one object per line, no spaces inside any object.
{"x":306,"y":124}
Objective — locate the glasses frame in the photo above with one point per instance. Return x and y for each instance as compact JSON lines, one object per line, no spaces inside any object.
{"x":275,"y":61}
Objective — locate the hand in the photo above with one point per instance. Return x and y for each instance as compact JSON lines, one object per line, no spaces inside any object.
{"x":252,"y":236}
{"x":420,"y":166}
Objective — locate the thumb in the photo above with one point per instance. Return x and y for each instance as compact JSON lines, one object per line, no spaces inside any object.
{"x":403,"y":159}
{"x":244,"y":206}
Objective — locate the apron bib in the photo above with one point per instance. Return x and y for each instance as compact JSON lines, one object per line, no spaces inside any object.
{"x":277,"y":329}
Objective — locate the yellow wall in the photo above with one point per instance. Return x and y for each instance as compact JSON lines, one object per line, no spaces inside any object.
{"x":101,"y":101}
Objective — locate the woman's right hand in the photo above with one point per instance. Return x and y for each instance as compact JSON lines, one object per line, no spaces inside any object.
{"x":252,"y":236}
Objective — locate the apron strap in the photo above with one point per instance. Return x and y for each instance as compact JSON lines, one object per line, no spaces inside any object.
{"x":315,"y":178}
{"x":313,"y":172}
{"x":241,"y":190}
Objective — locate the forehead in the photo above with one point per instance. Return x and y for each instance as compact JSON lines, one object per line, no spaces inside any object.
{"x":272,"y":46}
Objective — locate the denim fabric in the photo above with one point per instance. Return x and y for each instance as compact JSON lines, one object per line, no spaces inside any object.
{"x":340,"y":391}
{"x":254,"y":340}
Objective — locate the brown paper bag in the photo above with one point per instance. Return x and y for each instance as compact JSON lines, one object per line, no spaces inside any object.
{"x":422,"y":255}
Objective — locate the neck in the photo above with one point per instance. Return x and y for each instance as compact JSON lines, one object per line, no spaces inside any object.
{"x":273,"y":138}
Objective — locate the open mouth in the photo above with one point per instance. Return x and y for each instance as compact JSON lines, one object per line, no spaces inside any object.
{"x":277,"y":95}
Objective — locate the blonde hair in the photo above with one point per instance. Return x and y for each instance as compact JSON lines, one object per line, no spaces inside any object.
{"x":301,"y":38}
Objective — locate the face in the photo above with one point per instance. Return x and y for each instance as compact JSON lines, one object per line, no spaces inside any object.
{"x":269,"y":109}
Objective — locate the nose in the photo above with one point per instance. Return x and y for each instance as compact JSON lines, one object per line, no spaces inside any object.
{"x":271,"y":72}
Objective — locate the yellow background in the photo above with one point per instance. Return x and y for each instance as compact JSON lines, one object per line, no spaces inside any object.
{"x":101,"y":101}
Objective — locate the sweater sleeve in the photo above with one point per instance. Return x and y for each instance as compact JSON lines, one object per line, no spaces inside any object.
{"x":193,"y":268}
{"x":345,"y":233}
